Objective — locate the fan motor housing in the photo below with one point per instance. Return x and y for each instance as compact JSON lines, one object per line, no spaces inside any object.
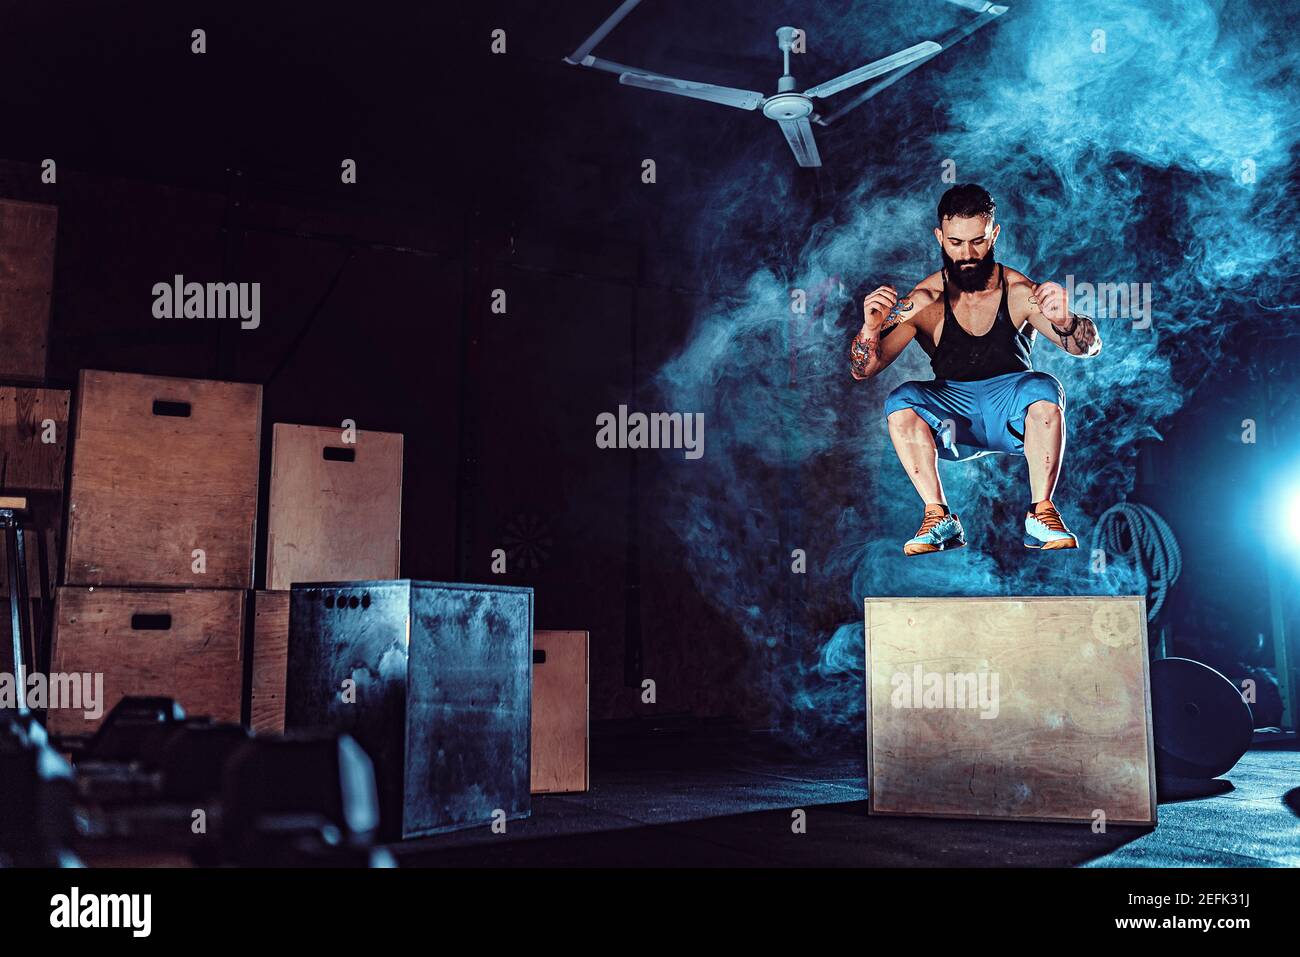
{"x":787,"y":106}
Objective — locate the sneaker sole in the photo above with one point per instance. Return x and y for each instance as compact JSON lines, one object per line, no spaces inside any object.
{"x":1057,"y":545}
{"x":958,"y":542}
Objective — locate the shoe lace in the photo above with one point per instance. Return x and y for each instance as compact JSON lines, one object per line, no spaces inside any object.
{"x":930,"y":521}
{"x":1049,"y":516}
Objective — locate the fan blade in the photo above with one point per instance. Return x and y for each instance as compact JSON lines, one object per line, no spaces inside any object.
{"x":799,"y":134}
{"x":726,"y":95}
{"x":602,"y":31}
{"x":979,"y":6}
{"x":949,"y":39}
{"x":863,"y":73}
{"x":872,"y":90}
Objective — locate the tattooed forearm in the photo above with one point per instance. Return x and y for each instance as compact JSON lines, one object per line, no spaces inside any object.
{"x":864,"y":353}
{"x":1079,"y":336}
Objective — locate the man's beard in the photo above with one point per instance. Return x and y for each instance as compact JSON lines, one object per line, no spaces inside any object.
{"x":971,"y":278}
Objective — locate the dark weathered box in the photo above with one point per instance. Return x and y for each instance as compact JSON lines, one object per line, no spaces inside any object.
{"x":335,"y":510}
{"x":186,"y":645}
{"x":433,"y":680}
{"x":561,"y":748}
{"x":164,"y":482}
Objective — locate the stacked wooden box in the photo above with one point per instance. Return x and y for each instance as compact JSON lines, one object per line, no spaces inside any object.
{"x":33,"y":419}
{"x":27,"y":237}
{"x":33,"y":450}
{"x":161,"y":524}
{"x":335,"y":514}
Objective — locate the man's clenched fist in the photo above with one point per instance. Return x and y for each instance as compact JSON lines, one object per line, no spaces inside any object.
{"x":1051,"y":301}
{"x":877,"y":306}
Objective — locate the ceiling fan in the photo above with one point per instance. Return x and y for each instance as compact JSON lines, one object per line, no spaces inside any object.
{"x":792,"y":110}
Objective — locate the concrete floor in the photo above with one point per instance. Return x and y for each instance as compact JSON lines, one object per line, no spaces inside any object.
{"x":691,"y":802}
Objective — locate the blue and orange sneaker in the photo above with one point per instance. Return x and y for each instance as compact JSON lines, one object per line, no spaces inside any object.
{"x":939,"y":532}
{"x":1044,"y":528}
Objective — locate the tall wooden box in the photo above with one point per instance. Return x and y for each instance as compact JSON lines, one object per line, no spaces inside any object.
{"x":27,"y":236}
{"x":335,"y":508}
{"x":561,"y":748}
{"x":1010,"y":708}
{"x":433,"y":680}
{"x":187,"y":645}
{"x":270,"y":660}
{"x":162,"y":467}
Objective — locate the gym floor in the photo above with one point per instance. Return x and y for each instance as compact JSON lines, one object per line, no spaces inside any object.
{"x":719,"y":798}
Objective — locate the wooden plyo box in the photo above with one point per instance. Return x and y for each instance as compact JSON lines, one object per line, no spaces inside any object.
{"x":270,"y":659}
{"x":560,"y":742}
{"x":29,"y":419}
{"x":33,"y":453}
{"x":187,"y":645}
{"x":335,"y":509}
{"x":27,"y":235}
{"x":162,"y":467}
{"x":1010,"y":709}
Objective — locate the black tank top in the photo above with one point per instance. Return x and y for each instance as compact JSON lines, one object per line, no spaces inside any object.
{"x":963,"y":357}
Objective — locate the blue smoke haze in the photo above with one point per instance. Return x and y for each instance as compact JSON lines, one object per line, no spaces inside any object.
{"x":1130,"y":165}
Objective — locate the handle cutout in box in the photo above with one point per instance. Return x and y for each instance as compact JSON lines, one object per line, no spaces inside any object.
{"x":539,"y":656}
{"x":335,"y":454}
{"x":179,"y":410}
{"x":142,"y":621}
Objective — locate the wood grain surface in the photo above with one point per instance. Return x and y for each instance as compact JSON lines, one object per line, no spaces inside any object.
{"x":270,"y":657}
{"x":197,"y":660}
{"x":148,"y":488}
{"x":27,"y":461}
{"x":27,"y":238}
{"x":1063,"y":731}
{"x":332,"y":520}
{"x":560,"y":748}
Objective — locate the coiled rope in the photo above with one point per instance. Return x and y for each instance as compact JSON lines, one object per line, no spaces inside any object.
{"x":1140,"y":536}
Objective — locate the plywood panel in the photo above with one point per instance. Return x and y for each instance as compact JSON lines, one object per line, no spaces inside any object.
{"x":33,"y":438}
{"x":560,"y":743}
{"x":197,"y":659}
{"x":335,"y":507}
{"x":148,"y":488}
{"x":1010,"y":708}
{"x":270,"y":656}
{"x":27,"y":235}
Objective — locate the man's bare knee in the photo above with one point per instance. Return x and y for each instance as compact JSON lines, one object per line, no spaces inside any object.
{"x":907,"y":419}
{"x":1044,"y":412}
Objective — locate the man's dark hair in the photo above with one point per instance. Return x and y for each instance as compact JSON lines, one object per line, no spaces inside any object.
{"x":966,"y":200}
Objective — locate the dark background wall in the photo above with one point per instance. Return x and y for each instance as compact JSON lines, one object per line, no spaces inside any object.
{"x":225,"y":167}
{"x":479,"y":172}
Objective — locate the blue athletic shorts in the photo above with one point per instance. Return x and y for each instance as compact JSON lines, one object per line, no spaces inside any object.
{"x":971,"y":419}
